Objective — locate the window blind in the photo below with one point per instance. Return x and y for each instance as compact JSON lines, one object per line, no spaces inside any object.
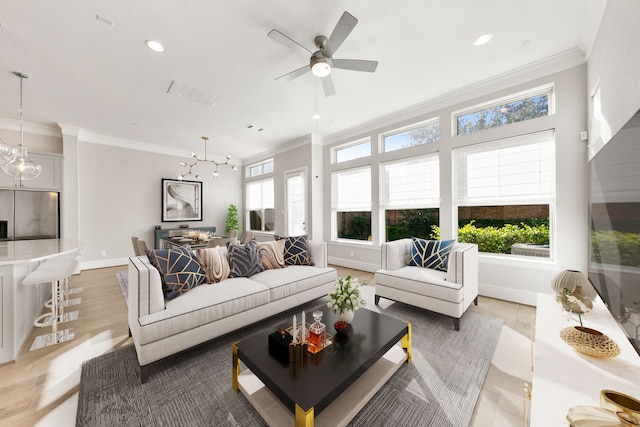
{"x":511,"y":169}
{"x":412,"y":183}
{"x":260,"y":195}
{"x":352,"y":190}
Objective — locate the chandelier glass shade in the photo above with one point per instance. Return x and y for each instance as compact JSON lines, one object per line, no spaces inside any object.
{"x":7,"y":153}
{"x":194,"y":155}
{"x":15,"y":160}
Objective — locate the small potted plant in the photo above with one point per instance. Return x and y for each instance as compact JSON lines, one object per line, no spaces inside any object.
{"x":345,"y":298}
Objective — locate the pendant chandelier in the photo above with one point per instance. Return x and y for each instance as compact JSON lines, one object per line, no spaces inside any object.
{"x":15,"y":161}
{"x":198,"y":160}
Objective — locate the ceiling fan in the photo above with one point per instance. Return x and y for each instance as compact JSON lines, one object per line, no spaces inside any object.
{"x":321,"y":62}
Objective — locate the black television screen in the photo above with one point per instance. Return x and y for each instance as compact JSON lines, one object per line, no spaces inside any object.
{"x":614,"y":214}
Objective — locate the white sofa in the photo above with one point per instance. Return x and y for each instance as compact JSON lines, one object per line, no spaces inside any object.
{"x":162,"y":328}
{"x":449,"y":293}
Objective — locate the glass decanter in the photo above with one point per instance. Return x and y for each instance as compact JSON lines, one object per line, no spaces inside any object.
{"x":317,"y":332}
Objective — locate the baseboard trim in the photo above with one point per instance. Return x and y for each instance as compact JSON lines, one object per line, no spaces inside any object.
{"x":508,"y":294}
{"x":358,"y":265}
{"x":103,"y":263}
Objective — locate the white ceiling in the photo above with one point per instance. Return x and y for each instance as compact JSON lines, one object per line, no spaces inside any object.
{"x":103,"y":79}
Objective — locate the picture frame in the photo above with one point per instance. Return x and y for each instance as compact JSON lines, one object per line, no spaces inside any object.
{"x":181,"y":200}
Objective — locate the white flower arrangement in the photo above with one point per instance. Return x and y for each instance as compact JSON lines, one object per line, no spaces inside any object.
{"x":346,"y":295}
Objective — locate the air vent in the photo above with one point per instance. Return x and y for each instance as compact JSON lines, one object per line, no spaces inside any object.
{"x":256,"y":128}
{"x":181,"y":90}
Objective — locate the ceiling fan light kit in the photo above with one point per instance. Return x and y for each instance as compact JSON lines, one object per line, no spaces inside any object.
{"x":194,"y":155}
{"x":321,"y":62}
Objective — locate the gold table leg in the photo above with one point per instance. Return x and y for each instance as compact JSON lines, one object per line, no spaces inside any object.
{"x":235,"y":368}
{"x":304,"y":418}
{"x":406,"y":342}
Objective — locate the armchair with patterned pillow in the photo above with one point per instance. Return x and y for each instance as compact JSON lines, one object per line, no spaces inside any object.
{"x":439,"y":276}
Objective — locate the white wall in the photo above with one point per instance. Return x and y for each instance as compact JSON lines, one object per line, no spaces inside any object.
{"x":120,"y":197}
{"x":614,"y":65}
{"x":500,"y":276}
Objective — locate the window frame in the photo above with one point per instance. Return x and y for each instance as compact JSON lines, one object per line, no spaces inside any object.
{"x":509,"y":200}
{"x":349,"y":145}
{"x":263,"y":208}
{"x":335,"y":208}
{"x":398,"y":131}
{"x":261,"y":166}
{"x":548,"y":89}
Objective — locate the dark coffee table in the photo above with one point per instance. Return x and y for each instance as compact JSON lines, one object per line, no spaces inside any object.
{"x":357,"y":365}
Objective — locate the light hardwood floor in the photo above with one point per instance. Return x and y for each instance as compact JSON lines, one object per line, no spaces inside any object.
{"x":41,"y":388}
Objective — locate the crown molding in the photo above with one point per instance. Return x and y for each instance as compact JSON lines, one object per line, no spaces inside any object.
{"x":549,"y":65}
{"x":70,"y":130}
{"x":30,"y":127}
{"x":281,"y":148}
{"x":95,"y":138}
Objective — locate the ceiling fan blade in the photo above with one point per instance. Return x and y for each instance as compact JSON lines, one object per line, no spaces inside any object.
{"x":293,"y":74}
{"x":286,"y":41}
{"x":343,"y":28}
{"x":327,"y":86}
{"x":355,"y":65}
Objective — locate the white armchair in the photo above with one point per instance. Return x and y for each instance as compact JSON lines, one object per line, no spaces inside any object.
{"x":449,"y":293}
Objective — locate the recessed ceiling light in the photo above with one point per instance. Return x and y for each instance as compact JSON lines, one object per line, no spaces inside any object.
{"x":483,"y":39}
{"x":154,"y":45}
{"x":316,"y":116}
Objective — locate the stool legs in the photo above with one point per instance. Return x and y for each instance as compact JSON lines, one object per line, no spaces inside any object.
{"x":52,"y":319}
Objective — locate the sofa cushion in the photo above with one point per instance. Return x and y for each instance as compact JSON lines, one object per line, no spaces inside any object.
{"x":271,"y":254}
{"x":421,"y":281}
{"x":179,"y":270}
{"x":244,"y":260}
{"x":202,"y":305}
{"x":296,"y":250}
{"x":294,"y":279}
{"x":432,"y":254}
{"x":215,"y":263}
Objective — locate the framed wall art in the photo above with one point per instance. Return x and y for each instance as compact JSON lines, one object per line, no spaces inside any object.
{"x":181,"y":200}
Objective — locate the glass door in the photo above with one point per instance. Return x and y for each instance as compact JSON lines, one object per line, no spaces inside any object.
{"x":296,"y":206}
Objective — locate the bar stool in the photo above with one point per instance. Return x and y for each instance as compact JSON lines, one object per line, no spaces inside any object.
{"x":55,"y":271}
{"x":65,"y":301}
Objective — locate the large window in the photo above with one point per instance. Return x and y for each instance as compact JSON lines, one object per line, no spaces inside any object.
{"x":422,"y":133}
{"x":351,"y":203}
{"x":260,"y":205}
{"x":505,"y":191}
{"x":411,"y":197}
{"x":501,"y":113}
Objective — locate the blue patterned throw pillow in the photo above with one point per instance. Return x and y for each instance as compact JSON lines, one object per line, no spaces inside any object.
{"x":179,"y":270}
{"x":296,"y":250}
{"x":432,"y":254}
{"x":244,"y":260}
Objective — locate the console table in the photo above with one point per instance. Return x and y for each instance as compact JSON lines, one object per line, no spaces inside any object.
{"x":163,"y":233}
{"x":564,"y":378}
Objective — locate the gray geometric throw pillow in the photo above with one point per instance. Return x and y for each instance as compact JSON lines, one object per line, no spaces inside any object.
{"x":244,"y":260}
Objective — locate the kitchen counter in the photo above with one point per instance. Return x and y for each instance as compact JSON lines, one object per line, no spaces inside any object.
{"x":22,"y":304}
{"x":24,"y":251}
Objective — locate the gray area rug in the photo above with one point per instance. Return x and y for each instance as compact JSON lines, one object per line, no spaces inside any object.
{"x":123,"y":281}
{"x":440,"y":388}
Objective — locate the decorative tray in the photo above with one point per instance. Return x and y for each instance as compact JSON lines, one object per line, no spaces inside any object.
{"x":328,"y":338}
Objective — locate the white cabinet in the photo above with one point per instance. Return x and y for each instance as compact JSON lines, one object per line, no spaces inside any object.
{"x":49,"y":179}
{"x":564,"y":378}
